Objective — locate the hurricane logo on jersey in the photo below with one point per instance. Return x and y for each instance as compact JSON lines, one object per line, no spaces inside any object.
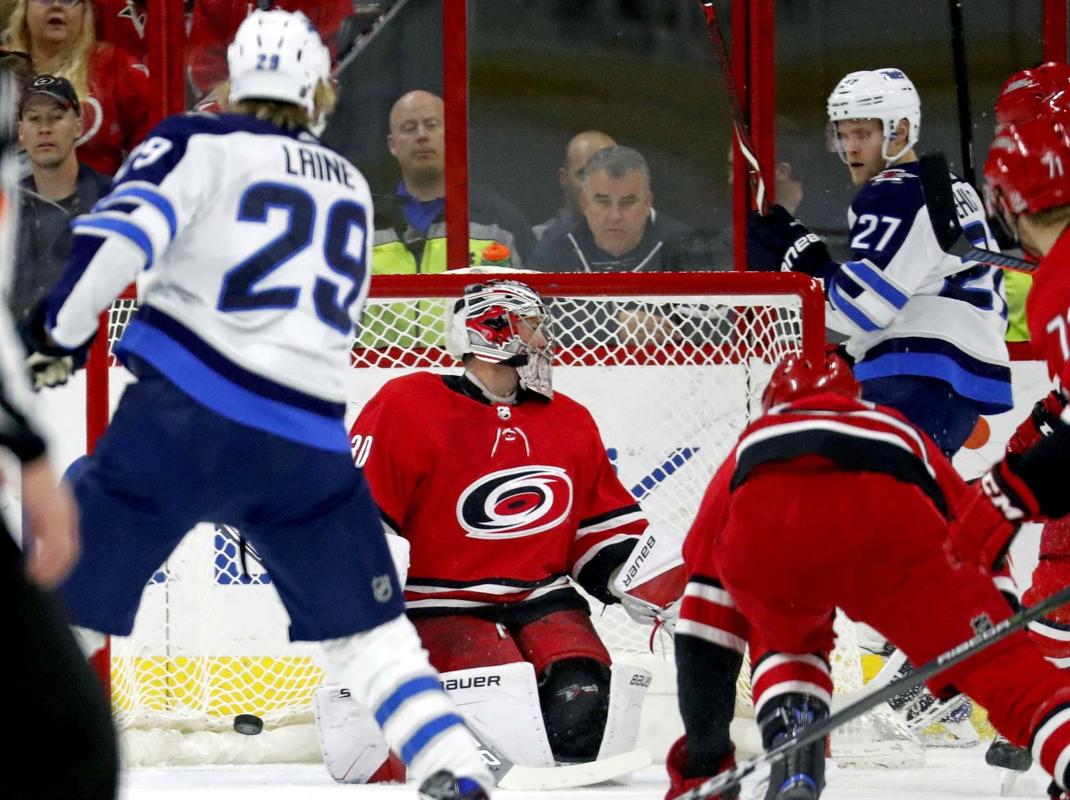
{"x":516,"y":502}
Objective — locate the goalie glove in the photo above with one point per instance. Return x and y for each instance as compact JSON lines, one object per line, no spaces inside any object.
{"x":1039,"y":424}
{"x":779,"y":238}
{"x":989,"y":514}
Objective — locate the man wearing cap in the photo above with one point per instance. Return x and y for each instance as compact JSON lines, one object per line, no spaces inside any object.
{"x":57,"y":189}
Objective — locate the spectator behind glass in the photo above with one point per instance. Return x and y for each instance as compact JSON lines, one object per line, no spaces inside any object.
{"x":580,"y":148}
{"x":410,"y":226}
{"x":619,"y":230}
{"x":59,"y":36}
{"x":215,"y":22}
{"x":58,"y":188}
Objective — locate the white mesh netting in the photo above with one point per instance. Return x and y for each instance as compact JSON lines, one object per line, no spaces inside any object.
{"x":671,"y":378}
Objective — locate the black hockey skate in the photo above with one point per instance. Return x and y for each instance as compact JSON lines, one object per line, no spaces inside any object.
{"x":800,"y":775}
{"x":444,"y":785}
{"x":1002,"y":753}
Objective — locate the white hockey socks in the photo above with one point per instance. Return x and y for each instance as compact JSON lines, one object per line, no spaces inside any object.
{"x":387,"y":670}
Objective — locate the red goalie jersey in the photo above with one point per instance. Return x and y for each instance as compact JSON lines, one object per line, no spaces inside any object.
{"x":501,"y":503}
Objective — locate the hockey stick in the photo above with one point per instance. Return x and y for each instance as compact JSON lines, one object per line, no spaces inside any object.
{"x":962,"y":90}
{"x":985,"y":638}
{"x":509,"y":775}
{"x":361,"y":42}
{"x":940,"y":203}
{"x":739,"y":121}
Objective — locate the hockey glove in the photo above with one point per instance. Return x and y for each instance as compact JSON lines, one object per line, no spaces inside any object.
{"x":989,"y":515}
{"x":779,"y":241}
{"x":50,"y":365}
{"x":1040,"y":423}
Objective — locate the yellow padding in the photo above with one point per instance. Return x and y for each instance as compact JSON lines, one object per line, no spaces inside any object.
{"x":217,"y":686}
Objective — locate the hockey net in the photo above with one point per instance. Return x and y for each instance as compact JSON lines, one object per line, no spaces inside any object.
{"x":672,"y":366}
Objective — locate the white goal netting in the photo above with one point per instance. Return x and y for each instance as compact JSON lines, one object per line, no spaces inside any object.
{"x":672,"y":367}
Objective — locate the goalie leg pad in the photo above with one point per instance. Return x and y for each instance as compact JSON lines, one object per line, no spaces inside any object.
{"x":627,"y":690}
{"x":502,"y":704}
{"x":351,"y":741}
{"x":386,"y":669}
{"x":574,"y":695}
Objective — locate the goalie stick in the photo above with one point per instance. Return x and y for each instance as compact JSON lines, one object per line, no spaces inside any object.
{"x":819,"y":730}
{"x":511,"y":776}
{"x":940,"y":204}
{"x":739,"y":121}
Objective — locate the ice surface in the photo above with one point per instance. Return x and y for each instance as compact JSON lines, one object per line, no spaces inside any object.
{"x":947,"y":774}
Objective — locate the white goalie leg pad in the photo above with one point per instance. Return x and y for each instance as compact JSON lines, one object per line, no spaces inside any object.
{"x":387,"y":670}
{"x":351,"y":741}
{"x":627,"y":689}
{"x":501,"y":703}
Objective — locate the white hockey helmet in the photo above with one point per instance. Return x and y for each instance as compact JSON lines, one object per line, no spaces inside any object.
{"x":277,"y":55}
{"x":884,"y":94}
{"x":485,"y":322}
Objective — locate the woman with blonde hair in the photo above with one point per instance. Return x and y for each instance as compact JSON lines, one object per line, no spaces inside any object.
{"x":59,"y":36}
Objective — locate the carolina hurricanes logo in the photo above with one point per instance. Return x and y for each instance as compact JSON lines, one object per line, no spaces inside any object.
{"x":516,"y":502}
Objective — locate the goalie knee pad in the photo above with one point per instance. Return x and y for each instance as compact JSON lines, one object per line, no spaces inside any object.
{"x":574,"y":695}
{"x":801,"y":774}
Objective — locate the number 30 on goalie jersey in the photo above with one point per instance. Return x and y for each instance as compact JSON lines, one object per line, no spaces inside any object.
{"x":254,"y":243}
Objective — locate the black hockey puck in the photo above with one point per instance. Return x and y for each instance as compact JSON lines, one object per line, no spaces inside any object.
{"x":249,"y":724}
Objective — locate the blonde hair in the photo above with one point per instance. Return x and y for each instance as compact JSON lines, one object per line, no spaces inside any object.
{"x":75,"y":67}
{"x":285,"y":115}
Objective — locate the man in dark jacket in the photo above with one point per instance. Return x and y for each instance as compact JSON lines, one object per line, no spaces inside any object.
{"x":57,"y":189}
{"x":620,"y":231}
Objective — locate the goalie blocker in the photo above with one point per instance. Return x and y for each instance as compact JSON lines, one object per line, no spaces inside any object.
{"x":501,"y":705}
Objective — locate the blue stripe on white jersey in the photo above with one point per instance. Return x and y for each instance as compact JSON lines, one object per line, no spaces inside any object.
{"x":247,"y":398}
{"x":988,"y":384}
{"x":947,"y":316}
{"x":255,"y":237}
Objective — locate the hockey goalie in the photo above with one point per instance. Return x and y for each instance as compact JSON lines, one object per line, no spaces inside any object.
{"x":503,"y":493}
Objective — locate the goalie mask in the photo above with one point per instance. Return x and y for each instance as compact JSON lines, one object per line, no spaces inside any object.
{"x":887,"y":95}
{"x":507,"y":323}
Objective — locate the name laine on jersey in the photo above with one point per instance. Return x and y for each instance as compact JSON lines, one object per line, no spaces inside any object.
{"x":308,"y":163}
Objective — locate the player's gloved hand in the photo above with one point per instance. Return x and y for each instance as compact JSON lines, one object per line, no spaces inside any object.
{"x":49,"y":364}
{"x":988,"y":516}
{"x":779,"y":238}
{"x":47,"y":371}
{"x":1041,"y":422}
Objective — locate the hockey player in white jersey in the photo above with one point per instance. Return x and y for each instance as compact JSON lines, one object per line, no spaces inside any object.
{"x":252,"y":244}
{"x":925,"y":330}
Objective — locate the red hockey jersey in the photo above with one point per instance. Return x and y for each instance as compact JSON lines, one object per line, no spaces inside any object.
{"x":1047,"y":311}
{"x":115,"y":116}
{"x":501,"y":504}
{"x":851,"y":435}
